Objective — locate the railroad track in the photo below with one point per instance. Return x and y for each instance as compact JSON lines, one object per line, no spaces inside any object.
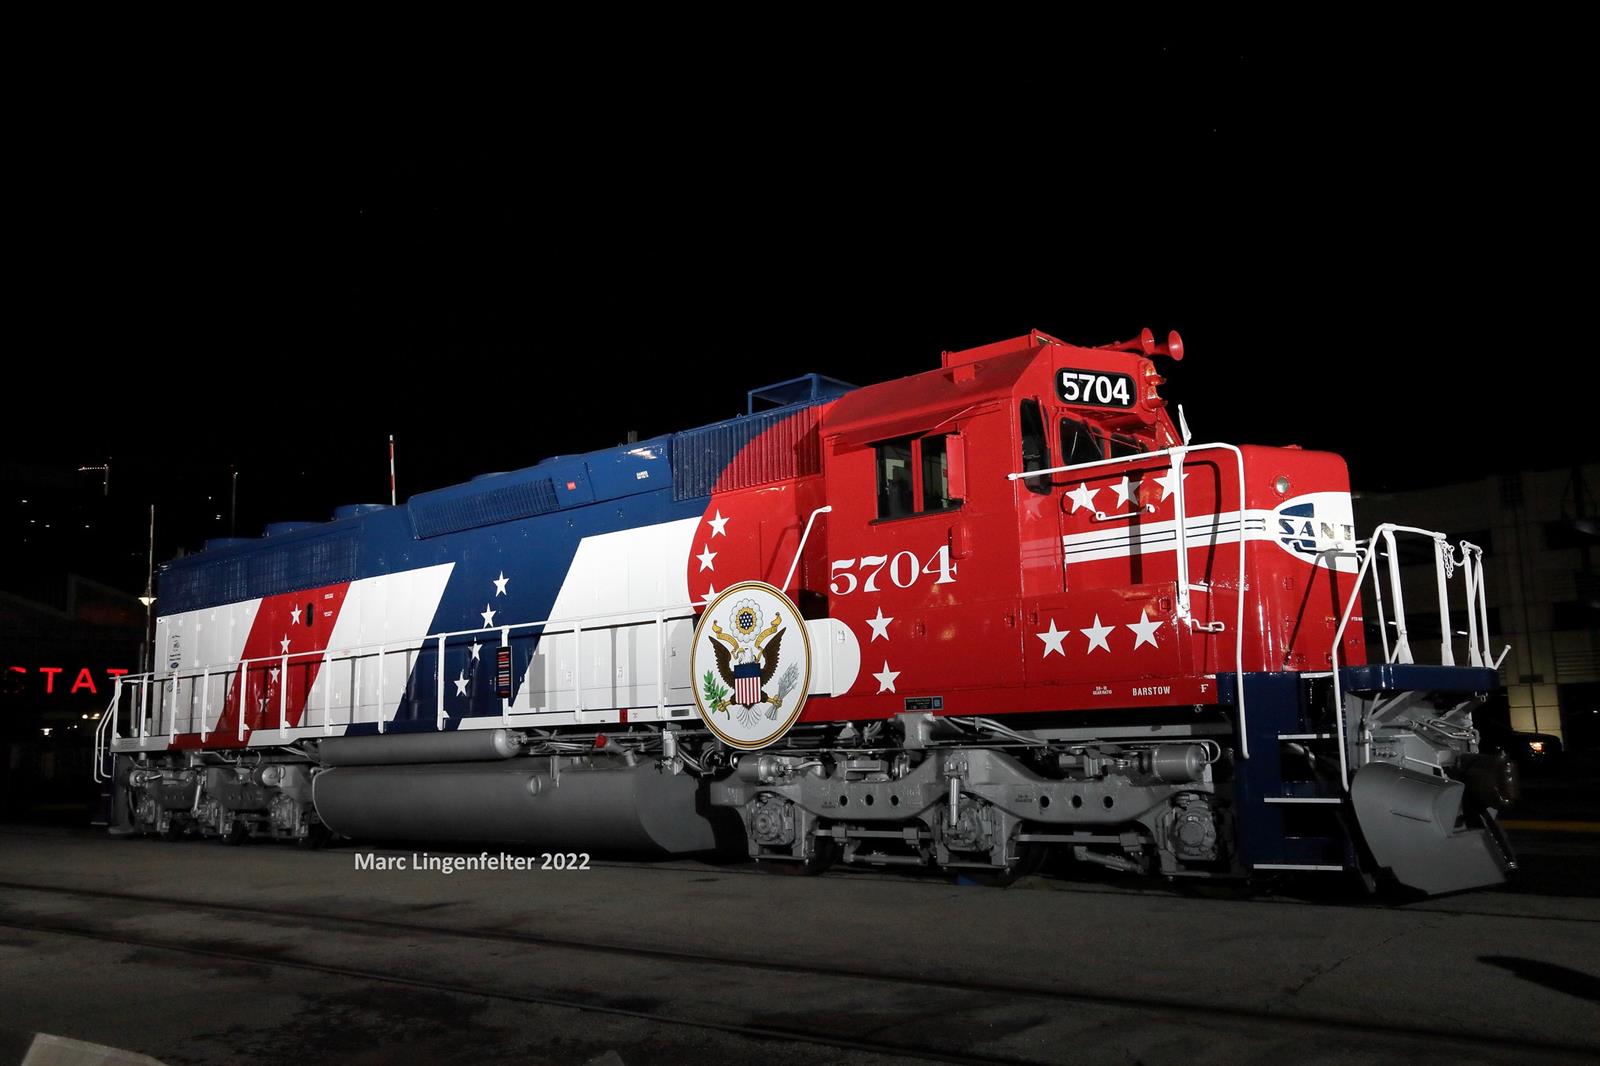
{"x":975,"y":995}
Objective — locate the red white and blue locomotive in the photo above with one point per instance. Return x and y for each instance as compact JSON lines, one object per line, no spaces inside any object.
{"x":958,"y":619}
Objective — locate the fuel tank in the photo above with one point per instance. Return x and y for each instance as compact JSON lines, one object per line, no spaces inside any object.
{"x":575,"y":805}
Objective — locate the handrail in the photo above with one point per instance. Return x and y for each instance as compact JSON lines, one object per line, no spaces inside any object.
{"x":827,"y":509}
{"x":1444,"y":567}
{"x":553,"y":626}
{"x":1184,"y":608}
{"x":101,"y":741}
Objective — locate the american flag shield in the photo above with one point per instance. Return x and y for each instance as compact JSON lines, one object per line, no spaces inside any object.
{"x":747,"y":684}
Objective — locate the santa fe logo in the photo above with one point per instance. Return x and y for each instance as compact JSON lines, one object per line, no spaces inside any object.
{"x":751,"y":661}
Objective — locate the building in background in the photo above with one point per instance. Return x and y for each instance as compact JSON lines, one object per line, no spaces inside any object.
{"x":1540,"y":532}
{"x":60,"y":660}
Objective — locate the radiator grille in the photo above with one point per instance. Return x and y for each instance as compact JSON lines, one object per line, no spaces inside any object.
{"x":751,"y":451}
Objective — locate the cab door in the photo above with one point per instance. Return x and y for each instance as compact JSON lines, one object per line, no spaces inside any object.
{"x":1113,"y":616}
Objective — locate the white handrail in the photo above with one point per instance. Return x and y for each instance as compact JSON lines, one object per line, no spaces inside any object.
{"x":1477,"y":610}
{"x":828,"y":509}
{"x":106,"y":733}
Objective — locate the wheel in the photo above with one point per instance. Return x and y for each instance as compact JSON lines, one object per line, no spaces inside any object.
{"x":237,"y":834}
{"x":1029,"y":858}
{"x":316,"y":837}
{"x":173,"y":831}
{"x":824,"y":853}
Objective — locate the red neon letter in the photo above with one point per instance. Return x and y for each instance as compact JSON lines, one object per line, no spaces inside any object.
{"x":49,"y":673}
{"x":85,"y":680}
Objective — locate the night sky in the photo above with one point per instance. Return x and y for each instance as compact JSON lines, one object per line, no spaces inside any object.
{"x":1354,"y":239}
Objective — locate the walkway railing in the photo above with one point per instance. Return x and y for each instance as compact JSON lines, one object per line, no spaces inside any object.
{"x":152,"y":702}
{"x":1445,"y":563}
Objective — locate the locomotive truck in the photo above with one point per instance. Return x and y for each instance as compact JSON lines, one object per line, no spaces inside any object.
{"x":962,"y":619}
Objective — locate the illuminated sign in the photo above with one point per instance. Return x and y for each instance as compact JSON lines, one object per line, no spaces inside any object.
{"x":55,"y":679}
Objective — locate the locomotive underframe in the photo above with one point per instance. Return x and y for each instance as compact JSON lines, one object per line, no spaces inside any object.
{"x":983,"y":797}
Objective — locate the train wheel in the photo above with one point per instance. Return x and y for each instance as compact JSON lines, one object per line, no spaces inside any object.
{"x":1029,"y":858}
{"x":824,"y":852}
{"x":316,"y":837}
{"x":237,"y":834}
{"x":173,"y":831}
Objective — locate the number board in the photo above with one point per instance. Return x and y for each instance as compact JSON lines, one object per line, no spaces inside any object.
{"x":1094,"y":387}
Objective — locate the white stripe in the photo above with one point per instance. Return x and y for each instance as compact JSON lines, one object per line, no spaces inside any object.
{"x":1126,"y":538}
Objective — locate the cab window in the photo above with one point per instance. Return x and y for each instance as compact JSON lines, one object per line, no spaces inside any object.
{"x":1035,"y":450}
{"x":1123,"y":445}
{"x":895,"y":496}
{"x":1080,"y":443}
{"x":914,"y":476}
{"x":936,"y":474}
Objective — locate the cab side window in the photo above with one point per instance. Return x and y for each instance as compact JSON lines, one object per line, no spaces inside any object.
{"x":1123,"y":446}
{"x":914,"y":476}
{"x":1080,"y":443}
{"x":895,"y":495}
{"x":936,"y":474}
{"x":1035,"y":449}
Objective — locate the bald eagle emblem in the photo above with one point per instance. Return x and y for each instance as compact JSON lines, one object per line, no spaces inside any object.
{"x":750,"y":658}
{"x":747,"y":657}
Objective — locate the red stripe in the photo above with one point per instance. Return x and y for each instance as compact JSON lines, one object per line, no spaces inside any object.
{"x":266,"y":696}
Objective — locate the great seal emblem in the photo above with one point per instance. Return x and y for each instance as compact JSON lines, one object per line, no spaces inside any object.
{"x":751,"y":661}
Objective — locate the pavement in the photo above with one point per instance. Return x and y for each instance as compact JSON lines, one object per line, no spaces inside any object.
{"x":193,"y":952}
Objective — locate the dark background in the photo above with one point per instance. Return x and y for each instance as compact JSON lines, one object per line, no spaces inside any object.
{"x":1362,"y":232}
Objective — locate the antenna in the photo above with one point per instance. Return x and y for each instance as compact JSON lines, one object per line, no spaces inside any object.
{"x":391,"y":471}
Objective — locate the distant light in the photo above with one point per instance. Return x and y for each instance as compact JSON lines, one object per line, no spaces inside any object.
{"x":46,"y":729}
{"x":1536,"y":746}
{"x":85,"y":718}
{"x":147,"y":600}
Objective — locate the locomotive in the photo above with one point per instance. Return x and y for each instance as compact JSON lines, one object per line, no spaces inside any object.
{"x":962,"y":619}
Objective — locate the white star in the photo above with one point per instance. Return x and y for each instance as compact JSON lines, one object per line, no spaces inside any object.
{"x":1165,"y":481}
{"x":500,"y":584}
{"x":1144,"y":631}
{"x":294,"y":615}
{"x":880,"y":626}
{"x":716,"y":525}
{"x":475,"y":647}
{"x":284,"y":643}
{"x":274,"y":673}
{"x":488,"y":616}
{"x":1097,"y":634}
{"x":1082,"y":497}
{"x":461,"y":684}
{"x":711,"y":594}
{"x":705,"y":558}
{"x":886,"y":678}
{"x":1052,"y":639}
{"x":1125,"y":492}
